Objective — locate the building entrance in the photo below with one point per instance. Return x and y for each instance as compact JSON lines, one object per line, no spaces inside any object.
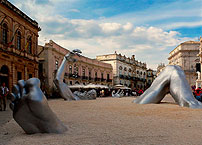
{"x":4,"y":75}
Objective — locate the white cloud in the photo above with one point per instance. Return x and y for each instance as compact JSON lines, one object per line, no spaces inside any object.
{"x":124,"y":34}
{"x":74,"y":10}
{"x":182,"y":24}
{"x":150,"y":44}
{"x":110,"y":27}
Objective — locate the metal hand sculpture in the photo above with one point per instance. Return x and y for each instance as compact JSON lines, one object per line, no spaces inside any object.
{"x":171,"y":80}
{"x":31,"y":110}
{"x":63,"y":88}
{"x":92,"y":94}
{"x":118,"y":94}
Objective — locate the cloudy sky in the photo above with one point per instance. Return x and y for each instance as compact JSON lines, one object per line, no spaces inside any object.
{"x":148,"y":29}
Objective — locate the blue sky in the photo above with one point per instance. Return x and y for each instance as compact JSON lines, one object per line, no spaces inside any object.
{"x":149,"y":29}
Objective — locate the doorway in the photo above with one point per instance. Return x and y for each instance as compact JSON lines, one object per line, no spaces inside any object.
{"x":4,"y":75}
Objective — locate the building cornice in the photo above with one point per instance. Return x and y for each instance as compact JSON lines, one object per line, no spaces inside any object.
{"x":20,"y":13}
{"x":179,"y":52}
{"x":185,"y":43}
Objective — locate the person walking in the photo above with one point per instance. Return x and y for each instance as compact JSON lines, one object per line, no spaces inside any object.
{"x":198,"y":93}
{"x":3,"y":96}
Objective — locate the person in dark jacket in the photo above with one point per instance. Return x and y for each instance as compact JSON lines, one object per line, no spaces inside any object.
{"x":3,"y":96}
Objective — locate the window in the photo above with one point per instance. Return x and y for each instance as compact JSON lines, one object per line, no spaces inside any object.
{"x":19,"y":75}
{"x":89,"y":73}
{"x":102,"y":75}
{"x":19,"y":40}
{"x":74,"y":68}
{"x":30,"y":76}
{"x":108,"y":77}
{"x":77,"y":70}
{"x":83,"y":72}
{"x":29,"y":43}
{"x":5,"y":34}
{"x":56,"y":64}
{"x":70,"y":69}
{"x":95,"y":74}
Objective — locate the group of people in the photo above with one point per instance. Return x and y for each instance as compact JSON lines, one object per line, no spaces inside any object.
{"x":4,"y":91}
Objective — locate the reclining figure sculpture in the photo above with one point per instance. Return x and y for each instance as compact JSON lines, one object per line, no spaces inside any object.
{"x":171,"y":80}
{"x":63,"y":88}
{"x":31,"y":110}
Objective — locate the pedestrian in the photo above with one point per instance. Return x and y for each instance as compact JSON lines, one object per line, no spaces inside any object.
{"x":198,"y":93}
{"x":140,"y":92}
{"x":3,"y":96}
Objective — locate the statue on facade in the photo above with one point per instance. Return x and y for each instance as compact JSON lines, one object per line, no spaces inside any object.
{"x":31,"y":110}
{"x":63,"y":88}
{"x":171,"y":80}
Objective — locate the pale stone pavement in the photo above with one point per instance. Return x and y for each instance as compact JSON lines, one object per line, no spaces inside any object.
{"x":5,"y":116}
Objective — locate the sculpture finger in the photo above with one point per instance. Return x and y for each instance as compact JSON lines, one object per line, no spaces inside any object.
{"x":16,"y":91}
{"x":13,"y":97}
{"x":12,"y":106}
{"x":21,"y":84}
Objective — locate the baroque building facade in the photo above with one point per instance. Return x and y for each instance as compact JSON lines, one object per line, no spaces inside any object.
{"x":185,"y":55}
{"x":126,"y":71}
{"x":160,"y":68}
{"x":151,"y":75}
{"x":84,"y":71}
{"x":18,"y":45}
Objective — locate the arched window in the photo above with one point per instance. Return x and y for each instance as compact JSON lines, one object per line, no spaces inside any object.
{"x":19,"y":40}
{"x":89,"y":73}
{"x":56,"y":64}
{"x":5,"y":34}
{"x":70,"y":69}
{"x":95,"y":74}
{"x":29,"y":43}
{"x":83,"y":72}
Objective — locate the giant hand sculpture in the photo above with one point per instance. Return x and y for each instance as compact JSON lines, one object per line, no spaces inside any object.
{"x":31,"y":110}
{"x":171,"y":80}
{"x":63,"y":88}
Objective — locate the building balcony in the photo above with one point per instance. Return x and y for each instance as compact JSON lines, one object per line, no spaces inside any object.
{"x":103,"y":80}
{"x":84,"y":78}
{"x":16,"y":52}
{"x":109,"y":80}
{"x":70,"y":75}
{"x":97,"y":79}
